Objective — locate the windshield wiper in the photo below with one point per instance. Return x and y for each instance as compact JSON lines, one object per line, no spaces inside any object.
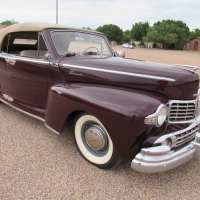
{"x":89,"y":53}
{"x":69,"y":54}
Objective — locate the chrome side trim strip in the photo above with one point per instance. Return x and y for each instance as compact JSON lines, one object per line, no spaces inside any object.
{"x":51,"y":129}
{"x":24,"y":59}
{"x":31,"y":115}
{"x":22,"y":111}
{"x":118,"y":72}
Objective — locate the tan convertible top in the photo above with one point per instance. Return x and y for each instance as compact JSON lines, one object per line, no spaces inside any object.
{"x":32,"y":27}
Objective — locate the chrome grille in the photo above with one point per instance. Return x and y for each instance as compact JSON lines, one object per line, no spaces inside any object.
{"x":186,"y":136}
{"x":181,"y":111}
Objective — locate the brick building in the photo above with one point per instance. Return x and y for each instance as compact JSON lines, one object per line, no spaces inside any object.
{"x":195,"y":44}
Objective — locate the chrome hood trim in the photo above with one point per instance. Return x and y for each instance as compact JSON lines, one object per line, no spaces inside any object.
{"x":117,"y":72}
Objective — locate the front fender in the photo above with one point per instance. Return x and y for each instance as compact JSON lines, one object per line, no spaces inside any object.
{"x":121,"y":111}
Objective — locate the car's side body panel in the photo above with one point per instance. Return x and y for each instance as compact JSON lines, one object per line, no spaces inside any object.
{"x":166,"y":80}
{"x":3,"y":76}
{"x":27,"y":82}
{"x":120,"y":110}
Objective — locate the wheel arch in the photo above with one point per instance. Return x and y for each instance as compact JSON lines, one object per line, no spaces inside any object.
{"x":122,"y":117}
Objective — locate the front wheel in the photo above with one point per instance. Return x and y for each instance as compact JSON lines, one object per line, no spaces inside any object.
{"x":94,"y":143}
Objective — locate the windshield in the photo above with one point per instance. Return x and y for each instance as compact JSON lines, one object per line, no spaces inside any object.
{"x":80,"y":44}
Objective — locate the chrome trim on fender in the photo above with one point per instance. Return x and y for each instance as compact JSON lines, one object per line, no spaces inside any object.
{"x":117,"y":72}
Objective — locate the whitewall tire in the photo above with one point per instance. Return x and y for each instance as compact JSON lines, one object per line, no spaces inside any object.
{"x":93,"y":142}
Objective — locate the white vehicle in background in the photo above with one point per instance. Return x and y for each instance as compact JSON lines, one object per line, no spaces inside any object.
{"x":127,"y":45}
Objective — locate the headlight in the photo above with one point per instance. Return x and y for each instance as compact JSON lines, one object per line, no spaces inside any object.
{"x":158,"y":118}
{"x":162,"y":116}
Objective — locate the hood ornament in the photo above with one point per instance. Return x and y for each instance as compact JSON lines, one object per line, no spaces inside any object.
{"x":187,"y":67}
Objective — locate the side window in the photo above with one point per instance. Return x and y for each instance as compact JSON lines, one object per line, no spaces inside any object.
{"x":42,"y":48}
{"x":24,"y":44}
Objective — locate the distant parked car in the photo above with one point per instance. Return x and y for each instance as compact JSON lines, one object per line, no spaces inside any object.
{"x":127,"y":45}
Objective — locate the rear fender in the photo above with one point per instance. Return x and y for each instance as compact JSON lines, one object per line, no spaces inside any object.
{"x":120,"y":110}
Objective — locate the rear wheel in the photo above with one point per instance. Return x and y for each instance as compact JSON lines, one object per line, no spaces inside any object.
{"x":94,"y":143}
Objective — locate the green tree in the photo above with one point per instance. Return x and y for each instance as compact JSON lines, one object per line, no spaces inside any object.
{"x":126,"y":36}
{"x":139,"y":30}
{"x":8,"y":22}
{"x":113,"y":32}
{"x":195,"y":33}
{"x":168,"y":32}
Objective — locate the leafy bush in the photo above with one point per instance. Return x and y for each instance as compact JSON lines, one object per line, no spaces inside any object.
{"x":133,"y":43}
{"x":155,"y":45}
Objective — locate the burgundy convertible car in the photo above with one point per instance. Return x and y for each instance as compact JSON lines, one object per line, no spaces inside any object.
{"x":121,"y":108}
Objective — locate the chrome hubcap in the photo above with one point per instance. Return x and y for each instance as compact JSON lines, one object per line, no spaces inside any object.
{"x":96,"y":138}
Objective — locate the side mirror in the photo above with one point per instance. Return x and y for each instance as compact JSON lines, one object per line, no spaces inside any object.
{"x":120,"y":53}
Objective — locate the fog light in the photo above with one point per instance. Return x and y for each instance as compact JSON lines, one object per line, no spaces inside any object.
{"x":167,"y":142}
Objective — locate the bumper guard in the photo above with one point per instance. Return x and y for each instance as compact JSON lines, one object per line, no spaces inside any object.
{"x":161,"y":158}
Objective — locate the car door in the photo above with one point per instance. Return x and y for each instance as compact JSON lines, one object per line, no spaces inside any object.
{"x":27,"y":72}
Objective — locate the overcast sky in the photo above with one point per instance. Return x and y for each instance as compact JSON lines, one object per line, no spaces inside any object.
{"x":91,"y":13}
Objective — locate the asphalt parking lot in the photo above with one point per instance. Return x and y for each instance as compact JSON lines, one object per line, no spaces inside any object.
{"x":37,"y":164}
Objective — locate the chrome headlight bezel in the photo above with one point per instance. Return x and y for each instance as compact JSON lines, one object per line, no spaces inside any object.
{"x":198,"y":95}
{"x":159,"y":117}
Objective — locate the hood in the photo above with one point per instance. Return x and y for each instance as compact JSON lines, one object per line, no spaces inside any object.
{"x":167,"y":80}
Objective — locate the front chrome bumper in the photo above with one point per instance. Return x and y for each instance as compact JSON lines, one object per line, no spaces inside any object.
{"x":161,"y":158}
